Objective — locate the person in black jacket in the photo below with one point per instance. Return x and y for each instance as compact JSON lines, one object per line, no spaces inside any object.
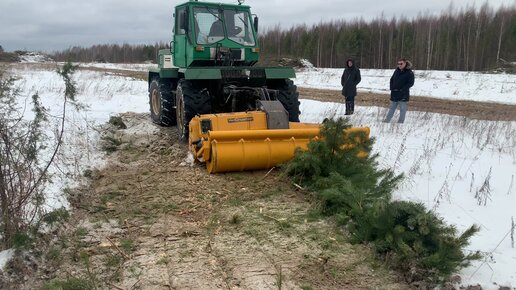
{"x":349,"y":81}
{"x":401,"y":82}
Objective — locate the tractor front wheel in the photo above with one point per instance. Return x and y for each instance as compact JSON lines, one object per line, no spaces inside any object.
{"x":161,"y":101}
{"x":190,"y":101}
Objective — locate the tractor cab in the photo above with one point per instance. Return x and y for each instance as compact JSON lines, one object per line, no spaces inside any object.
{"x":208,"y":34}
{"x":210,"y":68}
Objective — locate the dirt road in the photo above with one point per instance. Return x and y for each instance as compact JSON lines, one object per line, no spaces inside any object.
{"x":473,"y":110}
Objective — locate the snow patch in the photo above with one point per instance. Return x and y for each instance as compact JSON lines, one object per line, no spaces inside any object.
{"x":34,"y":57}
{"x":189,"y":160}
{"x":5,"y":257}
{"x":307,"y":64}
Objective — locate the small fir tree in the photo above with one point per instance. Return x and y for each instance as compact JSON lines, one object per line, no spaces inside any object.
{"x":353,"y":188}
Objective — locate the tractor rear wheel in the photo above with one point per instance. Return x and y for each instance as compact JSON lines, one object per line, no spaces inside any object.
{"x":289,"y":97}
{"x":190,"y":101}
{"x":161,"y":101}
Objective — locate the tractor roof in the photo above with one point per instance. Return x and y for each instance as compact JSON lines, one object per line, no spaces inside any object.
{"x":214,"y":4}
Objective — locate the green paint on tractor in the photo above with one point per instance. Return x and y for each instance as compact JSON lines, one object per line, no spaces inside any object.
{"x":210,"y":67}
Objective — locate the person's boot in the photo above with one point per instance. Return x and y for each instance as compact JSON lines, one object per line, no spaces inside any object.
{"x":348,"y":108}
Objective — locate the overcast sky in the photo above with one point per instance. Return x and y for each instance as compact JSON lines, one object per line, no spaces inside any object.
{"x":50,"y":25}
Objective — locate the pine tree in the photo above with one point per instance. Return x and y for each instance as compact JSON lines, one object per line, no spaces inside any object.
{"x":353,"y":188}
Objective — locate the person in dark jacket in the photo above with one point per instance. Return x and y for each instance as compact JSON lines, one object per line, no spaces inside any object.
{"x":401,"y":82}
{"x":349,"y":81}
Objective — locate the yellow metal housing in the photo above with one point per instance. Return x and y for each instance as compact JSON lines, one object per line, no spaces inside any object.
{"x":241,"y":141}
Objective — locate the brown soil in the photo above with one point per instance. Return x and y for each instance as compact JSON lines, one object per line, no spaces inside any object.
{"x":150,"y":220}
{"x":473,"y":110}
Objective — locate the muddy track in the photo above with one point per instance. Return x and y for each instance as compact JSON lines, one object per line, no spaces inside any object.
{"x":473,"y":110}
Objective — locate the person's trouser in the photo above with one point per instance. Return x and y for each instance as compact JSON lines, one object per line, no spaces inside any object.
{"x":350,"y":105}
{"x":392,"y":109}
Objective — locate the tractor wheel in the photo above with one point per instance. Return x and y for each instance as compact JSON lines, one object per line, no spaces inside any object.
{"x":190,"y":101}
{"x":161,"y":101}
{"x":289,"y":97}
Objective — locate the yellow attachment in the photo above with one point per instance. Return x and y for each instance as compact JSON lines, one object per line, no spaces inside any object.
{"x":241,"y":141}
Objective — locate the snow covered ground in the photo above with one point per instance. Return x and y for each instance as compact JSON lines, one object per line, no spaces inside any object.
{"x":447,"y":160}
{"x":102,"y":96}
{"x":5,"y":256}
{"x":450,"y":85}
{"x":461,"y":168}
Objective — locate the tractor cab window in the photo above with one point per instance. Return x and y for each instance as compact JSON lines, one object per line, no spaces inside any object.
{"x":209,"y":27}
{"x":213,"y":25}
{"x":180,"y":21}
{"x":238,"y":26}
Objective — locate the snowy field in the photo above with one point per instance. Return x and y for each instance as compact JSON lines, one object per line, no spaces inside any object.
{"x":450,"y":85}
{"x":461,"y":168}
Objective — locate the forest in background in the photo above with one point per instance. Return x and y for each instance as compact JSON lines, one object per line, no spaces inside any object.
{"x":113,"y":53}
{"x":469,"y":39}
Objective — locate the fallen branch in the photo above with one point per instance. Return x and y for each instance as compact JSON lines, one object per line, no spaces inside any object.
{"x":298,"y":186}
{"x":118,"y":249}
{"x":265,"y":176}
{"x":114,"y":286}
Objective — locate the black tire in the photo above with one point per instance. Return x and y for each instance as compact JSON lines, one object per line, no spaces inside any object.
{"x":161,"y":102}
{"x":190,"y":101}
{"x":289,"y":97}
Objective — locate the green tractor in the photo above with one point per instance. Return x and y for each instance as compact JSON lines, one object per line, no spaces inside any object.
{"x":209,"y":67}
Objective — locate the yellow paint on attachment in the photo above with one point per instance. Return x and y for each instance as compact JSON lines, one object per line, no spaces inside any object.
{"x":255,"y":149}
{"x":241,"y":141}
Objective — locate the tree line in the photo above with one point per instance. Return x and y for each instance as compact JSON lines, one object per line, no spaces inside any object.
{"x":113,"y":53}
{"x":466,"y":39}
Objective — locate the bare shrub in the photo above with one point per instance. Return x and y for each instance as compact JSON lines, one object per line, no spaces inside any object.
{"x":24,"y":171}
{"x":484,"y":192}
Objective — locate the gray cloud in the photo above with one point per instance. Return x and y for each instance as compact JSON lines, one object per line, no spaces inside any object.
{"x":55,"y":24}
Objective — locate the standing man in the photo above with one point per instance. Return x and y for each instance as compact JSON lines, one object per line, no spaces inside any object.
{"x":349,"y":81}
{"x":401,"y":82}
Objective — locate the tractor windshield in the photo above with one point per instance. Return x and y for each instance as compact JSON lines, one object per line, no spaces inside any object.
{"x":213,"y":24}
{"x":238,"y":26}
